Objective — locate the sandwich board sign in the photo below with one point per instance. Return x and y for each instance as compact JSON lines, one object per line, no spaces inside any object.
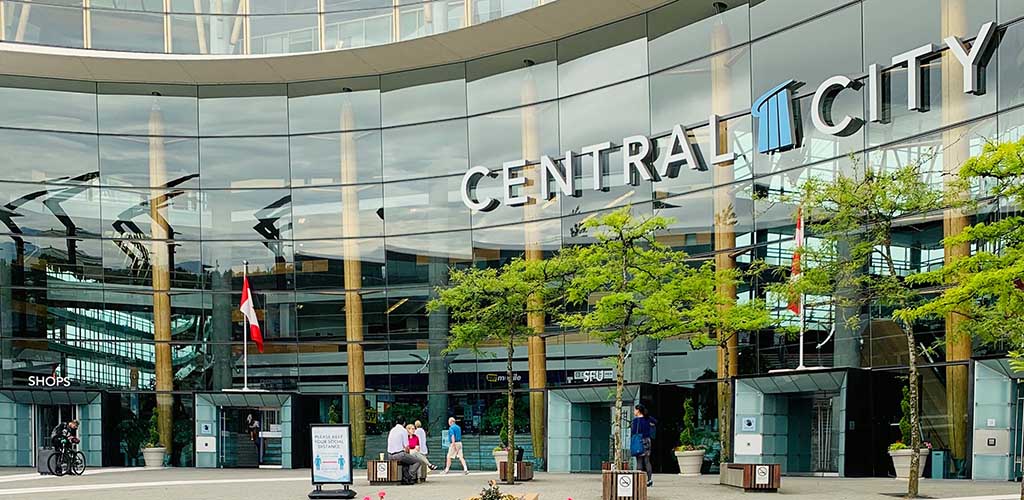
{"x":331,"y":448}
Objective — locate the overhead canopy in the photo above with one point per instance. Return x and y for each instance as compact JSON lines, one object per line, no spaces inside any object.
{"x":51,"y":397}
{"x":798,"y":381}
{"x":246,"y":399}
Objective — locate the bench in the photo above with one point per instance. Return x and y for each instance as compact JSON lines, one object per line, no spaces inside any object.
{"x":523,"y":472}
{"x":751,"y":477}
{"x":389,"y":472}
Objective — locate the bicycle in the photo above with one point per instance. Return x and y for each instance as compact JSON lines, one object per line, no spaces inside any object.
{"x":69,"y":461}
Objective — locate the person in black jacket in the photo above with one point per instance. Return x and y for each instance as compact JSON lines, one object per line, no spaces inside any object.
{"x":63,"y":435}
{"x":644,"y":426}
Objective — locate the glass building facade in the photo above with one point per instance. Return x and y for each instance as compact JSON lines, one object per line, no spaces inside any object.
{"x":131,"y":211}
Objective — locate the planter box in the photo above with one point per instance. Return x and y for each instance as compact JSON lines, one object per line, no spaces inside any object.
{"x":624,"y":485}
{"x":523,"y":472}
{"x":751,"y":477}
{"x":388,"y":471}
{"x":901,"y":462}
{"x":608,"y":465}
{"x":690,"y":462}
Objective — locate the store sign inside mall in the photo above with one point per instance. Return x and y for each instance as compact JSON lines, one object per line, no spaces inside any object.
{"x":778,"y":129}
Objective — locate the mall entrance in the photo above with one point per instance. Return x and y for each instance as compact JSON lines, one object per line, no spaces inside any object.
{"x":812,"y":436}
{"x":244,"y":430}
{"x":46,"y":417}
{"x":580,"y":427}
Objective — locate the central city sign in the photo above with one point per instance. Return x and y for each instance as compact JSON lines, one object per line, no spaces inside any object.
{"x":777,"y":129}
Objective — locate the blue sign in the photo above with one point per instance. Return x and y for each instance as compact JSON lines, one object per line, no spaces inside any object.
{"x":777,"y":127}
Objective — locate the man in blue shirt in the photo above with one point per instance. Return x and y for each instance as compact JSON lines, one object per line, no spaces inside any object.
{"x":455,"y":446}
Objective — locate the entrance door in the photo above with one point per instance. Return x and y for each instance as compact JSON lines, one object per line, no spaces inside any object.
{"x":250,"y":437}
{"x":46,"y":418}
{"x":812,"y":438}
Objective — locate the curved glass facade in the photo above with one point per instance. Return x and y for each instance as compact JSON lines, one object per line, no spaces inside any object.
{"x":240,"y":26}
{"x":130,"y":211}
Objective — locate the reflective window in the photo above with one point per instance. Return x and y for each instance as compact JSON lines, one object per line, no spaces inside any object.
{"x":360,"y":28}
{"x":1010,"y":10}
{"x":615,"y":194}
{"x":520,"y":133}
{"x":145,"y":213}
{"x":584,"y":119}
{"x":147,"y":109}
{"x":243,"y":110}
{"x":512,"y":79}
{"x":129,"y":5}
{"x":332,"y":105}
{"x":1011,"y":67}
{"x":270,"y":267}
{"x":496,"y":246}
{"x":149,"y":161}
{"x":244,"y":162}
{"x":253,"y":214}
{"x":43,"y":24}
{"x":423,"y":95}
{"x":323,"y":316}
{"x":48,"y":157}
{"x":772,"y":15}
{"x":282,"y":6}
{"x":127,"y":30}
{"x":206,"y":6}
{"x":602,"y":56}
{"x":342,"y":158}
{"x":695,"y":216}
{"x":815,"y":146}
{"x":134,"y":262}
{"x":894,"y":27}
{"x":424,"y":205}
{"x":50,"y":261}
{"x":486,"y":10}
{"x":425,"y":150}
{"x":284,"y":34}
{"x":321,"y":264}
{"x":428,"y":17}
{"x":207,"y":34}
{"x":52,"y":210}
{"x":737,"y":132}
{"x":48,"y":104}
{"x":688,"y":94}
{"x":426,"y":258}
{"x":537,"y":208}
{"x":327,"y":213}
{"x":683,"y":31}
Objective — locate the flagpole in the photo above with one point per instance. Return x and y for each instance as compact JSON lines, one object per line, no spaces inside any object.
{"x":800,"y":244}
{"x":245,"y":333}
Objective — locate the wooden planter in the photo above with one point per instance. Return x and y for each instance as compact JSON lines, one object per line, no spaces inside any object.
{"x":606,"y":465}
{"x":752,"y":477}
{"x":523,"y":472}
{"x":623,"y":485}
{"x":388,"y":471}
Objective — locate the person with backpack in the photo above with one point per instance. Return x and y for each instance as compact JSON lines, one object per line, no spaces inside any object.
{"x":642,"y":432}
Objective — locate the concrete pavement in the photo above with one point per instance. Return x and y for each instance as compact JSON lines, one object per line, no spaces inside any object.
{"x":240,"y":484}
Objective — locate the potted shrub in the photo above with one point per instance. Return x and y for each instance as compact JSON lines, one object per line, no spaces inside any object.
{"x":153,"y":452}
{"x":689,"y":454}
{"x":501,"y":451}
{"x":899,"y":451}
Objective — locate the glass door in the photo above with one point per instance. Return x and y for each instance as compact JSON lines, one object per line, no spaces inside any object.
{"x":46,"y":418}
{"x":270,"y":437}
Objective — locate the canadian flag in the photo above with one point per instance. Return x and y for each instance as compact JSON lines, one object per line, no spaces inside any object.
{"x":250,"y":315}
{"x":794,"y":305}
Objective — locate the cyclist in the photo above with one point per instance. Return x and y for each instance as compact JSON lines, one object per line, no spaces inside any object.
{"x":63,"y":435}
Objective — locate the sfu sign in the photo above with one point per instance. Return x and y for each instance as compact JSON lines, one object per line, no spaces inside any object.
{"x":778,"y":129}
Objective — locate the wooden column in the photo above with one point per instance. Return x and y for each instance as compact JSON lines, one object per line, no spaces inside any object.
{"x":160,"y":261}
{"x":353,"y":282}
{"x":956,"y":150}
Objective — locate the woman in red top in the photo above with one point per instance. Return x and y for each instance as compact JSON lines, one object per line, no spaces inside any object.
{"x":414,"y":448}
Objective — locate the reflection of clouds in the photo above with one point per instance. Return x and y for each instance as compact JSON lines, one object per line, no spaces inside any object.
{"x":424,"y":205}
{"x":608,"y":114}
{"x":504,"y":90}
{"x":454,"y":245}
{"x":46,"y":156}
{"x":546,"y":235}
{"x":498,"y":137}
{"x":316,"y":159}
{"x":323,"y":113}
{"x":125,"y":160}
{"x":130,"y":114}
{"x":423,"y":103}
{"x":244,"y":162}
{"x":425,"y":150}
{"x":31,"y":216}
{"x":243,"y":115}
{"x":610,"y":65}
{"x":48,"y":109}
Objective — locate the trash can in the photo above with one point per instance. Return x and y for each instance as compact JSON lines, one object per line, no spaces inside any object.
{"x":43,"y":459}
{"x":939,"y":464}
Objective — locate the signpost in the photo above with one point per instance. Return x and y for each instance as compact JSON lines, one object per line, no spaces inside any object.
{"x":331,"y":446}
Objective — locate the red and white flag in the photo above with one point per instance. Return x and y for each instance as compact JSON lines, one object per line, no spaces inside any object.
{"x":794,"y":305}
{"x":249,"y":311}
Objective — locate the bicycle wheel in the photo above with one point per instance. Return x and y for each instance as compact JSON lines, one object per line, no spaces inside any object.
{"x":77,"y":463}
{"x":56,"y":464}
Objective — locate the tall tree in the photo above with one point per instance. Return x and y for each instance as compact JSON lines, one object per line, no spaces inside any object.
{"x":490,"y":306}
{"x":631,"y":286}
{"x":985,"y":290}
{"x":851,"y":256}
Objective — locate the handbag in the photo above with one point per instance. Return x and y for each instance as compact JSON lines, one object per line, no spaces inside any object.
{"x":636,"y":445}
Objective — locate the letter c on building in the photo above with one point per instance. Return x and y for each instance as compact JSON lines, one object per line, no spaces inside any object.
{"x":469,"y":181}
{"x":821,"y":107}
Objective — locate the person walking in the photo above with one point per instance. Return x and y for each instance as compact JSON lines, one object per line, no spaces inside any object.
{"x":398,"y":449}
{"x":414,"y":448}
{"x":643,"y":429}
{"x":455,"y":446}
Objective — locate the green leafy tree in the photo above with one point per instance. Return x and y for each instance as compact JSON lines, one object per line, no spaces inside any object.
{"x":490,"y":306}
{"x":852,"y":220}
{"x":635,"y":286}
{"x":985,"y":290}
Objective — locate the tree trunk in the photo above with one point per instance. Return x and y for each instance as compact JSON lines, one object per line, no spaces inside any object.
{"x":915,"y":435}
{"x":725,"y":406}
{"x":620,"y":367}
{"x":510,"y":461}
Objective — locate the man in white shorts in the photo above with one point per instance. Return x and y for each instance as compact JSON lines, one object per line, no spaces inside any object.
{"x":455,"y":446}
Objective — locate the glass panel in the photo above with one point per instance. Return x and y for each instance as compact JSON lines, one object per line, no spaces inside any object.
{"x":345,"y":5}
{"x":891,"y":28}
{"x":284,"y":34}
{"x":688,"y":94}
{"x":43,"y":24}
{"x":243,"y":110}
{"x":695,"y":215}
{"x":537,"y":208}
{"x":424,"y":205}
{"x":49,"y":261}
{"x":132,"y":31}
{"x":683,"y":31}
{"x":332,"y":105}
{"x":583,"y":119}
{"x":129,"y":5}
{"x":512,"y":79}
{"x":496,"y":246}
{"x":322,"y":212}
{"x":425,"y":150}
{"x":741,"y":141}
{"x":769,"y":16}
{"x":270,"y":267}
{"x":487,"y":10}
{"x":425,"y":258}
{"x":130,"y":262}
{"x":254,"y":214}
{"x":318,"y":159}
{"x":244,"y":162}
{"x":602,"y":56}
{"x":50,"y":210}
{"x":48,"y":157}
{"x":207,"y":34}
{"x":206,"y":6}
{"x":282,"y":6}
{"x":520,"y":133}
{"x":1011,"y":67}
{"x":423,"y":95}
{"x":360,"y":28}
{"x":42,"y":108}
{"x":816,"y":146}
{"x":128,"y":213}
{"x":149,"y":161}
{"x":322,"y":316}
{"x":320,"y":264}
{"x":615,"y":195}
{"x":148,"y":109}
{"x":1010,"y":10}
{"x":426,"y":18}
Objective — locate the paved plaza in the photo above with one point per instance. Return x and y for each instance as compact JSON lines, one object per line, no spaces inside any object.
{"x":241,"y":484}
